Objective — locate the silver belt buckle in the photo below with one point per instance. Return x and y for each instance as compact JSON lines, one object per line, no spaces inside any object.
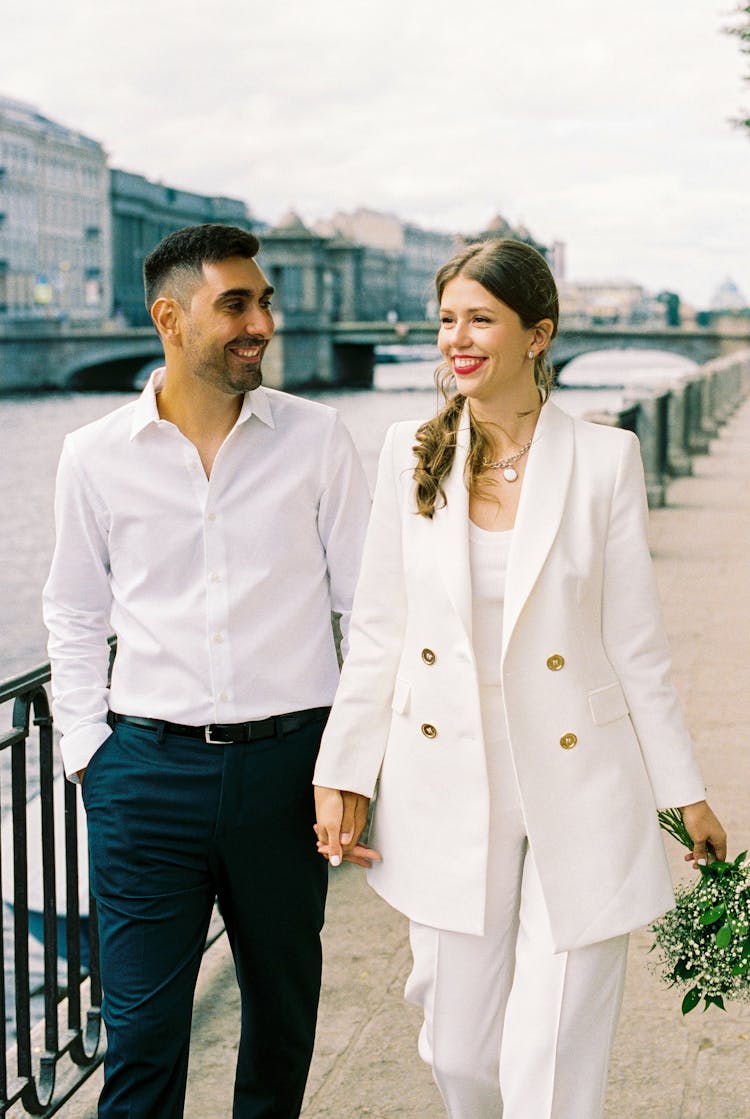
{"x":214,"y":741}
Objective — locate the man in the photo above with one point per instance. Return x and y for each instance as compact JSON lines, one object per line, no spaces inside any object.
{"x":213,"y":525}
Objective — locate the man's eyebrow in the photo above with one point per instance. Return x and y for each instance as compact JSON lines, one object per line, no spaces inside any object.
{"x":245,"y":293}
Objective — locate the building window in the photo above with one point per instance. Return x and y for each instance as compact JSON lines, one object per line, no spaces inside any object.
{"x":3,"y":286}
{"x":291,"y":293}
{"x":92,"y":288}
{"x":92,"y":232}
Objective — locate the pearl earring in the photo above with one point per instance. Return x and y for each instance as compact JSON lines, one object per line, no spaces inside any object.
{"x":530,"y":353}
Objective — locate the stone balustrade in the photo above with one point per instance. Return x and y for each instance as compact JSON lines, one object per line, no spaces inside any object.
{"x":676,"y":418}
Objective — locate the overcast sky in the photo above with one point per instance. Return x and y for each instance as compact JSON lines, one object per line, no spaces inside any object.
{"x":606,"y":126}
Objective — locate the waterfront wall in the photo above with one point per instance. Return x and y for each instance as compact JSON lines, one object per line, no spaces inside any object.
{"x":676,"y":418}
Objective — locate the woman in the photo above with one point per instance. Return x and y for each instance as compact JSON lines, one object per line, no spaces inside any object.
{"x":507,"y":688}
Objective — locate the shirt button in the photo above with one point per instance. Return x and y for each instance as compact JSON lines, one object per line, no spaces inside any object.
{"x":555,"y":662}
{"x":218,"y":638}
{"x":215,"y":577}
{"x":429,"y":731}
{"x":428,"y":656}
{"x":568,"y":741}
{"x":211,"y":517}
{"x":223,"y":696}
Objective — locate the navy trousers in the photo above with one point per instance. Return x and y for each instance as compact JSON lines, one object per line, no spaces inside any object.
{"x":175,"y":823}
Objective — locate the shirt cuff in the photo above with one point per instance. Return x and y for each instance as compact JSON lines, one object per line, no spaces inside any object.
{"x":79,"y":746}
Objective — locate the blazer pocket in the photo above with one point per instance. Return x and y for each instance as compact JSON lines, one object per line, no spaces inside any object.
{"x":401,"y":693}
{"x":607,"y":704}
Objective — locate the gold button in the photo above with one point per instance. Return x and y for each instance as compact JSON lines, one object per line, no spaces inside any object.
{"x":429,"y":731}
{"x":555,"y":662}
{"x":568,"y":741}
{"x":428,"y":656}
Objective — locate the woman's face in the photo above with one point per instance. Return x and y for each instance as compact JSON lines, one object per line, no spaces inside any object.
{"x":484,"y":342}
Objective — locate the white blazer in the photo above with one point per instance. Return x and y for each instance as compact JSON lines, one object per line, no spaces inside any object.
{"x":595,"y":726}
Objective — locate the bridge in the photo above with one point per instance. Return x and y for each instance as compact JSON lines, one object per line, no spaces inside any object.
{"x":58,"y":357}
{"x":700,"y":344}
{"x":47,"y":357}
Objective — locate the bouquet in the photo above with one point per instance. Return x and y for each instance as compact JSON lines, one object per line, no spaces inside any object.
{"x":703,"y":944}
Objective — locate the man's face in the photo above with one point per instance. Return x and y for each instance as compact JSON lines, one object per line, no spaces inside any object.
{"x":228,"y":324}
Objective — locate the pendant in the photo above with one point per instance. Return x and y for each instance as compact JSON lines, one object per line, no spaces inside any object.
{"x":510,"y":474}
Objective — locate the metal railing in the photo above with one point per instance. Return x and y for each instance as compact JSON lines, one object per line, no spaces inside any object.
{"x":58,"y":1046}
{"x":49,"y":1059}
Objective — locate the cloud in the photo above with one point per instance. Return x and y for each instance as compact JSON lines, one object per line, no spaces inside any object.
{"x":604,"y":126}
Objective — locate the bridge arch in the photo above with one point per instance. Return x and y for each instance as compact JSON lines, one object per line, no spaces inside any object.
{"x":111,"y":367}
{"x":699,"y":346}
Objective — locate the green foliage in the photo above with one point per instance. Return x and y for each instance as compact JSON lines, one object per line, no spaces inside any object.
{"x":691,"y":1000}
{"x":672,"y":822}
{"x":704,"y":942}
{"x":741,"y":31}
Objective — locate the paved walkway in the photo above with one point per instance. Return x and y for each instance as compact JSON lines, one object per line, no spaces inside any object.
{"x":664,"y":1066}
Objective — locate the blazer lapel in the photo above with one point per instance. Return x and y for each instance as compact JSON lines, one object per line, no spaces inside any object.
{"x":451,"y":523}
{"x":540,"y":508}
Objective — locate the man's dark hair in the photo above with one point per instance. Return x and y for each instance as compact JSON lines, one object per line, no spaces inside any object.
{"x":182,"y":254}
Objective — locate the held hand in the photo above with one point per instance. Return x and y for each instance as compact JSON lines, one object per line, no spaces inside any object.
{"x":354,"y":819}
{"x":353,"y":824}
{"x":341,"y":819}
{"x":708,"y":836}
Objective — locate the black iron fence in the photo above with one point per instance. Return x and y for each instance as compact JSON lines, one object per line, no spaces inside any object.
{"x":51,"y":1036}
{"x":42,"y":1062}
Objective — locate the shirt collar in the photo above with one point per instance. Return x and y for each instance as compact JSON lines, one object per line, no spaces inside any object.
{"x":146,"y":412}
{"x":257,"y":403}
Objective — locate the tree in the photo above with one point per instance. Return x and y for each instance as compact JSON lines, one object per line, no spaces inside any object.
{"x":742,"y":31}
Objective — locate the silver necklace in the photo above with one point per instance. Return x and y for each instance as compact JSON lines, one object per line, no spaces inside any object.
{"x":506,"y":464}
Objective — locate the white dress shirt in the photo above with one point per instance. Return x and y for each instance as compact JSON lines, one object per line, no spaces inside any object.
{"x":219,"y":590}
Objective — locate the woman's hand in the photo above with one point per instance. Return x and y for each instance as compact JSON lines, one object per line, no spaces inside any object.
{"x":708,"y":836}
{"x":341,"y":820}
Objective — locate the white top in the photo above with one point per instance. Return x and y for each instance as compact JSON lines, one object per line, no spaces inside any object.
{"x":220,"y":590}
{"x":488,"y":560}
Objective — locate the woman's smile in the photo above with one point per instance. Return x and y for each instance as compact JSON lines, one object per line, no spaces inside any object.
{"x":464,"y":364}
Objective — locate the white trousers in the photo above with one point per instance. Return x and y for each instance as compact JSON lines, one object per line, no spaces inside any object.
{"x":511,"y":1028}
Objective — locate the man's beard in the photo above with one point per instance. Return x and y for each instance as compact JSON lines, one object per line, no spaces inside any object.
{"x":229,"y":373}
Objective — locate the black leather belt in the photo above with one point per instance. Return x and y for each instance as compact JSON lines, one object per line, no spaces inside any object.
{"x":221,"y":734}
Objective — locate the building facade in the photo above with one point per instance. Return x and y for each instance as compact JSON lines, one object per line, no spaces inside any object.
{"x":728,"y":298}
{"x":54,"y":221}
{"x":609,"y":303}
{"x":326,"y":275}
{"x":142,"y":213}
{"x":415,"y":254}
{"x":399,"y":263}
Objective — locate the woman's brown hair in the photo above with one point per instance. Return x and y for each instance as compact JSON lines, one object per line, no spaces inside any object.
{"x":519,"y":276}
